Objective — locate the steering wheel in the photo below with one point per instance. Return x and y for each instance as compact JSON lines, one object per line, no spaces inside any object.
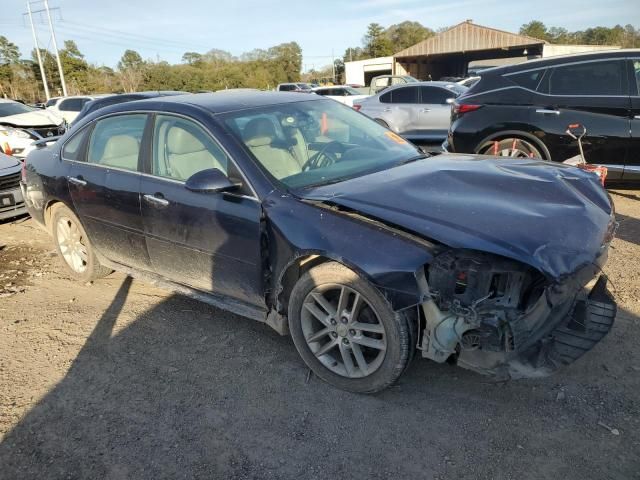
{"x":323,"y":158}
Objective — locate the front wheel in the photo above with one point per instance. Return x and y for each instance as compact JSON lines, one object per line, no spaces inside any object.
{"x":346,"y":331}
{"x":510,"y":147}
{"x":73,"y":246}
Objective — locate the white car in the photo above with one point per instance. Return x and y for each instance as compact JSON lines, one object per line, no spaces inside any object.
{"x":69,"y":107}
{"x":21,"y":125}
{"x":342,"y":93}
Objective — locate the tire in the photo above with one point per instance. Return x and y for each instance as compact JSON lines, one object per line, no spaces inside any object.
{"x":366,"y":324}
{"x":73,"y":246}
{"x":379,"y":121}
{"x":511,"y":147}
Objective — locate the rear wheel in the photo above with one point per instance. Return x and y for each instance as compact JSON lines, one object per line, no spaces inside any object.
{"x":346,"y":331}
{"x":73,"y":246}
{"x":510,"y":147}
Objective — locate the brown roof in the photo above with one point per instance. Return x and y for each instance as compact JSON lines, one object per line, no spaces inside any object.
{"x":465,"y":37}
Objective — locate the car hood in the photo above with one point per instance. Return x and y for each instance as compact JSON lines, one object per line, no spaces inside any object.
{"x":550,"y":216}
{"x":42,"y":118}
{"x":7,"y":162}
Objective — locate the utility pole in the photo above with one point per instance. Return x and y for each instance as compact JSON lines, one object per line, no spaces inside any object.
{"x":55,"y":47}
{"x":333,"y":66}
{"x":35,"y":40}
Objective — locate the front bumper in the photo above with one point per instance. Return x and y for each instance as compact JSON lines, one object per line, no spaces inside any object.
{"x":556,"y":332}
{"x":11,"y":204}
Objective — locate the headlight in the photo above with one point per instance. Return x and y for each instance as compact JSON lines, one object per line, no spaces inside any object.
{"x":13,"y":132}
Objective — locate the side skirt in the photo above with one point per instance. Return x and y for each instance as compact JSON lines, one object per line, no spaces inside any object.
{"x":219,"y":301}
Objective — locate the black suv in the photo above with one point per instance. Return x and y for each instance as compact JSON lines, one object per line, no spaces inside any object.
{"x":524,"y":110}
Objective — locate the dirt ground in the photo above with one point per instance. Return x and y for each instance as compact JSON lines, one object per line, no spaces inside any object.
{"x":119,"y":379}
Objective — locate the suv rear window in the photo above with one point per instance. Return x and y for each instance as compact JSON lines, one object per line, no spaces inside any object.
{"x":591,"y":78}
{"x":528,"y":80}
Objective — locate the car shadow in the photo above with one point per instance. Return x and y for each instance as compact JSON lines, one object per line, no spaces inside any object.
{"x":628,"y":229}
{"x":188,"y":391}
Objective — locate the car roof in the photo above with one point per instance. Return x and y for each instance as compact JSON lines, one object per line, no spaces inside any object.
{"x":7,"y":100}
{"x":560,"y":59}
{"x":219,"y":102}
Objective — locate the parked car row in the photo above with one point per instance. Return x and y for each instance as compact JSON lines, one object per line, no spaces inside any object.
{"x":300,"y":212}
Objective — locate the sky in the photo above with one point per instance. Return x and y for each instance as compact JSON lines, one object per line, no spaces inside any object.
{"x":165,"y":29}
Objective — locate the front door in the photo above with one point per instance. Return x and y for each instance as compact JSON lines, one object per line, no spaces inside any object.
{"x":434,"y":114}
{"x":595,"y":95}
{"x":104,"y":183}
{"x":208,"y":241}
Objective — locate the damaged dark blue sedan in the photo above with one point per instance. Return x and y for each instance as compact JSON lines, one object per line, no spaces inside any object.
{"x":306,"y":215}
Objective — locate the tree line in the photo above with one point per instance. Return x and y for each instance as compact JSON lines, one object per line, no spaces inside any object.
{"x":209,"y":71}
{"x":259,"y":68}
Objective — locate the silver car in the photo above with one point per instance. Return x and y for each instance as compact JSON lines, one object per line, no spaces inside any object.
{"x":418,"y":111}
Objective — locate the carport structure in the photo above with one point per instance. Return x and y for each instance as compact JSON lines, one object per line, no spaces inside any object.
{"x":449,"y":53}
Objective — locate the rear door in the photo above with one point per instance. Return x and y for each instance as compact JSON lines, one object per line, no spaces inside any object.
{"x":632,"y":166}
{"x":434,"y":114}
{"x":104,"y":183}
{"x":208,"y":241}
{"x":403,"y":111}
{"x":593,"y":94}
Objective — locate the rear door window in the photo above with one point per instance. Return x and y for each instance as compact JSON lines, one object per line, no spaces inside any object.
{"x":529,"y":80}
{"x":435,"y":95}
{"x":589,"y":78}
{"x":115,"y":141}
{"x":404,"y":95}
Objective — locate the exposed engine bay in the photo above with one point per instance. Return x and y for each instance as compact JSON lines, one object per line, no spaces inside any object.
{"x":503,"y":318}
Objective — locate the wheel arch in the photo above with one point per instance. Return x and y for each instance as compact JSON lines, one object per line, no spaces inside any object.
{"x":298,"y":266}
{"x":501,"y":135}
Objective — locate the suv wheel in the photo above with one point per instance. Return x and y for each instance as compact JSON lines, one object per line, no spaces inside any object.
{"x":74,"y":248}
{"x":510,"y":147}
{"x":346,"y":331}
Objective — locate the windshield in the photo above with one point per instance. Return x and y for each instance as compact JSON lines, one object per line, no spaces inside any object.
{"x":14,"y":108}
{"x":312,"y":143}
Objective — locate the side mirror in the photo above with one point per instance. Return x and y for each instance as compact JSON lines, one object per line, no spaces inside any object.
{"x":210,"y":180}
{"x":450,"y":101}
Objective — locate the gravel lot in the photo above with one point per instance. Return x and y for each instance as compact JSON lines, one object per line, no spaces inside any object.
{"x":119,"y":379}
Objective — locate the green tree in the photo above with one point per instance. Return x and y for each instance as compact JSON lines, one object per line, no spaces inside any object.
{"x":376,"y":44}
{"x":192,"y":58}
{"x":535,"y":29}
{"x":404,"y":35}
{"x":131,"y":69}
{"x":288,"y":56}
{"x":75,"y":68}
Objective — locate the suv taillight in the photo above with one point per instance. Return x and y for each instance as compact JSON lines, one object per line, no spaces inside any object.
{"x":462,"y":108}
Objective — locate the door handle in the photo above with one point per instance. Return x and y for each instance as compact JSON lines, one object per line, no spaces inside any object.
{"x":77,"y":181}
{"x":425,"y":110}
{"x":547,"y":111}
{"x":637,"y":117}
{"x":386,"y":110}
{"x":152,"y":199}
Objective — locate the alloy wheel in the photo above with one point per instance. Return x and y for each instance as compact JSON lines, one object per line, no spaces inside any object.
{"x":72,"y":244}
{"x":343,"y":331}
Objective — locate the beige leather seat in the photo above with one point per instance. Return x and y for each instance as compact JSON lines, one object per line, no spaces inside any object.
{"x":187,"y":155}
{"x":259,"y":135}
{"x":121,"y":151}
